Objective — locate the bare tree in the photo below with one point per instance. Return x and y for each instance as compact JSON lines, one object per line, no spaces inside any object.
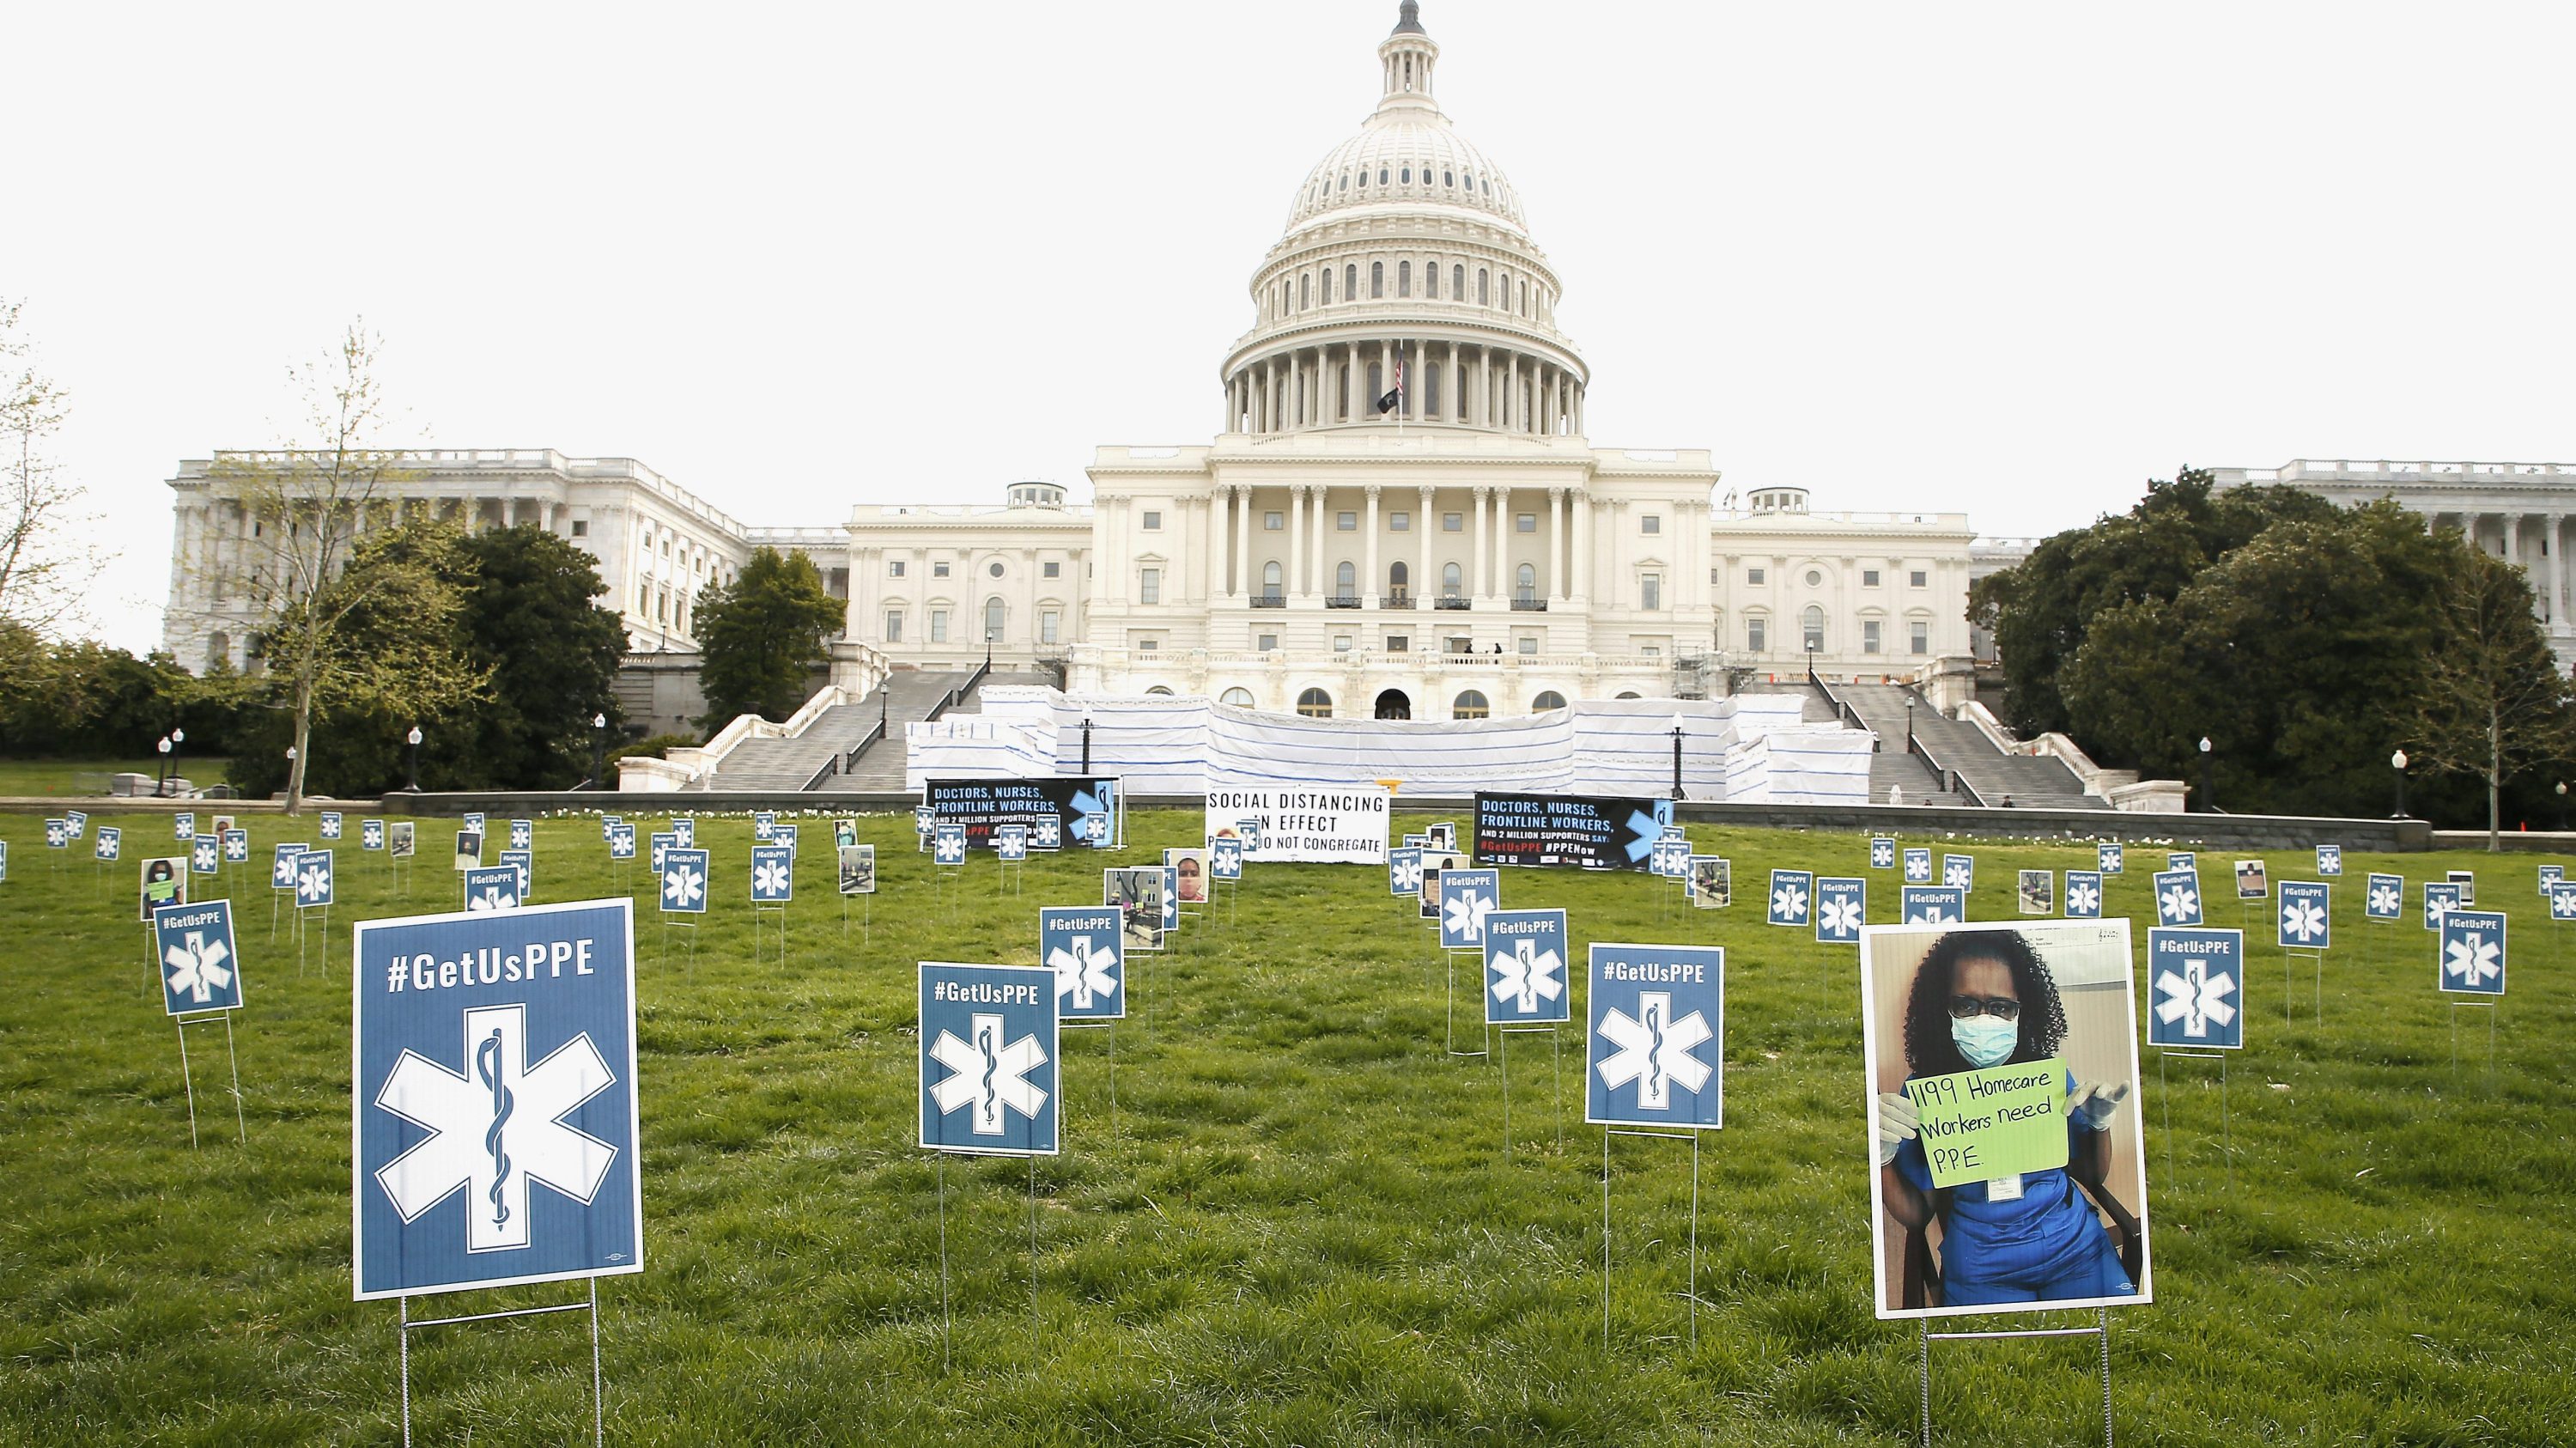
{"x":46,"y":561}
{"x":2493,"y":701}
{"x":309,"y":502}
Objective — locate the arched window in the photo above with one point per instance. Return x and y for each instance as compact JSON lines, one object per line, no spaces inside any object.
{"x":1404,"y":279}
{"x":992,"y":620}
{"x":1270,"y":578}
{"x":1315,"y":704}
{"x":1351,"y":282}
{"x":219,"y":647}
{"x":1377,"y":279}
{"x":1239,"y":698}
{"x":1406,"y":175}
{"x":1381,"y":175}
{"x":1397,"y":576}
{"x":1458,"y":283}
{"x":1525,"y":582}
{"x":1470,"y":705}
{"x":1328,"y":286}
{"x":1431,"y":280}
{"x":1484,"y":287}
{"x":1450,"y":579}
{"x":1812,"y":624}
{"x":1628,"y":694}
{"x":1305,"y":292}
{"x":1346,"y":580}
{"x":1546,"y":700}
{"x":1160,"y":691}
{"x":1448,"y":178}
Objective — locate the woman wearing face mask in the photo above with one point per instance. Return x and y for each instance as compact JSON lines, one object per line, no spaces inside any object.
{"x":1984,"y":998}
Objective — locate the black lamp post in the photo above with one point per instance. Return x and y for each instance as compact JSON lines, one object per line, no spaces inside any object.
{"x":598,"y":748}
{"x":2208,"y":792}
{"x":414,"y":739}
{"x":1909,"y":726}
{"x":2561,"y":787}
{"x":2397,"y":762}
{"x":1677,"y":759}
{"x":1086,"y":744}
{"x":161,"y":786}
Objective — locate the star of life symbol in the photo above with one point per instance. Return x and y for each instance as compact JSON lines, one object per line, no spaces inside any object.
{"x":1466,"y":917}
{"x":951,"y":849}
{"x":2562,"y":904}
{"x":770,"y":880}
{"x":1918,"y":868}
{"x":682,"y":885}
{"x":1882,"y":853}
{"x":57,"y":834}
{"x":2472,"y":959}
{"x":495,"y":1127}
{"x":2196,"y":998}
{"x":2179,"y":902}
{"x":1955,"y":872}
{"x":1408,"y":875}
{"x":2384,"y":900}
{"x":237,"y":848}
{"x":1655,"y":1051}
{"x":519,"y":834}
{"x":2435,"y":907}
{"x":493,"y":898}
{"x":1082,"y":970}
{"x":330,"y":827}
{"x":1842,"y":916}
{"x":201,"y":855}
{"x":2083,"y":898}
{"x":313,"y":885}
{"x":988,"y":1075}
{"x":197,"y":968}
{"x":1789,"y":902}
{"x":2302,"y":919}
{"x":282,"y":873}
{"x":1527,"y":975}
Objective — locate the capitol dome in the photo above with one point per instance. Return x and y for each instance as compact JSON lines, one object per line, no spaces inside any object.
{"x":1407,"y":290}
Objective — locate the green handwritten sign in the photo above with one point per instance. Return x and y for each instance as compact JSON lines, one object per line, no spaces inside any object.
{"x":1979,"y":1125}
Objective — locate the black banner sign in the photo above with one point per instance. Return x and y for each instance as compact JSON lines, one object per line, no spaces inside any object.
{"x":1600,"y":832}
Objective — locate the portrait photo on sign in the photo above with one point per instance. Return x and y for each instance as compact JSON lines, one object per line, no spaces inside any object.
{"x":858,"y":869}
{"x":165,"y":882}
{"x":1137,"y":891}
{"x":2003,"y":1117}
{"x":1710,"y":881}
{"x":469,"y":849}
{"x":1189,"y":869}
{"x":2250,"y":883}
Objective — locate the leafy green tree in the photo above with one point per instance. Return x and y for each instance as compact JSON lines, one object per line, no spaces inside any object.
{"x":762,"y":637}
{"x":2491,"y":701}
{"x":552,"y":652}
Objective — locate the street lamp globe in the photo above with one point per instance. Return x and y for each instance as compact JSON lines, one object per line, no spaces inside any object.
{"x":164,"y":745}
{"x":178,"y":736}
{"x":598,"y":721}
{"x":413,"y":737}
{"x":2204,"y":744}
{"x":2397,"y":760}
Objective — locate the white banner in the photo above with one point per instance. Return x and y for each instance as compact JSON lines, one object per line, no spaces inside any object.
{"x":1332,"y":825}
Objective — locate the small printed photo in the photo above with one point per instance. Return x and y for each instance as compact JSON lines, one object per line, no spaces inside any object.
{"x":469,"y":849}
{"x":1712,"y":881}
{"x":398,"y":837}
{"x":2250,"y":884}
{"x":845,"y":833}
{"x":1428,"y":903}
{"x":1443,"y":836}
{"x":1137,"y":892}
{"x":165,"y":882}
{"x":1189,"y":870}
{"x":2467,"y":880}
{"x":858,"y":869}
{"x":2038,"y":892}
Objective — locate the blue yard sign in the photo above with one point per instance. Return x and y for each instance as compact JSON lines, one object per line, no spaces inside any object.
{"x":2306,"y":916}
{"x":1882,"y":853}
{"x":1011,"y":843}
{"x":1466,"y":898}
{"x":1171,"y":897}
{"x":523,"y":834}
{"x":236,"y":847}
{"x":2177,"y":897}
{"x":492,"y":887}
{"x":1658,"y":1037}
{"x":1842,"y":908}
{"x":110,"y":841}
{"x":2386,"y":899}
{"x":1918,"y":865}
{"x":2551,"y":875}
{"x":2440,"y":899}
{"x":1080,"y":944}
{"x":948,"y":844}
{"x":1049,"y":834}
{"x":1934,"y":905}
{"x":2329,"y":859}
{"x":2562,"y":900}
{"x":1225,"y":859}
{"x":989,"y":1082}
{"x":621,"y":844}
{"x":686,"y":832}
{"x":313,"y":878}
{"x":473,"y":821}
{"x":496,"y":1137}
{"x":77,"y":821}
{"x":371,"y":834}
{"x":2182,"y":860}
{"x":330,"y":824}
{"x":525,"y":862}
{"x":2112,"y":859}
{"x":1959,"y":870}
{"x":4,"y":859}
{"x":2473,"y":951}
{"x":663,"y":842}
{"x":281,"y":866}
{"x":199,"y":963}
{"x":684,"y":881}
{"x":205,"y":855}
{"x":1788,"y":900}
{"x":2198,"y":978}
{"x":1526,"y":958}
{"x":764,"y":824}
{"x":773,"y":874}
{"x":183,"y":825}
{"x":608,"y":824}
{"x":2083,"y":894}
{"x":1404,"y":871}
{"x":58,"y":834}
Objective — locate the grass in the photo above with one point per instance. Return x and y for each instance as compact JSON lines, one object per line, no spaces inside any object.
{"x":1299,"y":1226}
{"x":34,"y":778}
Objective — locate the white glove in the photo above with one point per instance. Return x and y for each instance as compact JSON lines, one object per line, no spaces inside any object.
{"x":1896,"y":1125}
{"x":2091,"y":1104}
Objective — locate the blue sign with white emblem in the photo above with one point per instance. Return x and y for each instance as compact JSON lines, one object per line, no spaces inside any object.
{"x":281,"y":866}
{"x":2182,"y":860}
{"x":948,"y":844}
{"x":1934,"y":905}
{"x":2306,"y":916}
{"x":1011,"y":843}
{"x":496,"y":1124}
{"x":371,"y":834}
{"x":2562,"y":900}
{"x":685,"y":832}
{"x":1959,"y":870}
{"x":1658,"y":1036}
{"x":2386,"y":899}
{"x":2440,"y":899}
{"x":523,"y":834}
{"x":1049,"y":833}
{"x":2177,"y":897}
{"x":2473,"y":951}
{"x":1404,"y":871}
{"x":525,"y":862}
{"x":183,"y":825}
{"x":2110,"y":859}
{"x":989,"y":1079}
{"x":1526,"y":965}
{"x":621,"y":843}
{"x":663,"y":841}
{"x":1225,"y":859}
{"x":684,"y":881}
{"x":1842,"y":908}
{"x":492,"y":887}
{"x":2083,"y":894}
{"x":205,"y":855}
{"x":1788,"y":900}
{"x":764,"y":824}
{"x":330,"y":824}
{"x":1918,"y":865}
{"x":58,"y":834}
{"x":2329,"y":859}
{"x":1466,"y":898}
{"x":773,"y":874}
{"x":1080,"y":944}
{"x":199,"y":963}
{"x":313,"y":878}
{"x":110,"y":841}
{"x":237,"y":847}
{"x":1882,"y":853}
{"x":2197,"y":978}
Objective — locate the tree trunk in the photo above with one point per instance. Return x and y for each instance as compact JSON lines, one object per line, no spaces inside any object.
{"x":303,"y":746}
{"x":2495,"y":781}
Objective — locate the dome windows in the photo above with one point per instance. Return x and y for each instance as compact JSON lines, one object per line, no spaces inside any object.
{"x":1381,"y":175}
{"x":1351,"y":282}
{"x":1457,"y":284}
{"x":1405,"y":175}
{"x":1404,"y":279}
{"x":1449,"y":179}
{"x":1377,"y":279}
{"x":1431,"y":280}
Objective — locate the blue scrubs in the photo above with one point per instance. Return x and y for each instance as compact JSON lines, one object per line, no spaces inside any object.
{"x":2047,"y":1246}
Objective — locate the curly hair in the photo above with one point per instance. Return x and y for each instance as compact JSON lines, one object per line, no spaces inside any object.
{"x":1929,"y":1051}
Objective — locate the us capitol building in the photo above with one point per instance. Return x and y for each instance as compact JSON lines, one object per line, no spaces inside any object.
{"x":1400,"y":514}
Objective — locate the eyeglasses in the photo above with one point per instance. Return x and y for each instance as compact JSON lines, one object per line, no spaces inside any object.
{"x":1964,"y":1007}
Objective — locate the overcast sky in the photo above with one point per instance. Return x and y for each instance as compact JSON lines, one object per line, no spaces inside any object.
{"x":2008,"y":259}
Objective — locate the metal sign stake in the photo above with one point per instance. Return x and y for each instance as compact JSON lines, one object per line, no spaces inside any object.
{"x":406,"y":1324}
{"x":2101,"y":1329}
{"x":1556,"y":1074}
{"x":2226,"y":1126}
{"x":187,"y":1077}
{"x":1449,"y":1031}
{"x":1693,"y":1138}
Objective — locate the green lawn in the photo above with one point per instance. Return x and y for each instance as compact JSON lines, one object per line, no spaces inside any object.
{"x":26,"y":778}
{"x":1299,"y":1226}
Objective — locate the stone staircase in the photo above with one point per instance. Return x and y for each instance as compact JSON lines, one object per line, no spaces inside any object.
{"x":911,"y":697}
{"x":1990,"y":775}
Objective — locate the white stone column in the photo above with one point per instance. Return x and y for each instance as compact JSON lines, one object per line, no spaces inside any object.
{"x":1296,"y":583}
{"x":1553,"y":585}
{"x":2557,"y":571}
{"x":1243,"y":581}
{"x":1321,"y":554}
{"x":2513,"y":539}
{"x":1581,"y":503}
{"x":1479,"y":577}
{"x":1369,"y":581}
{"x":1512,"y":392}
